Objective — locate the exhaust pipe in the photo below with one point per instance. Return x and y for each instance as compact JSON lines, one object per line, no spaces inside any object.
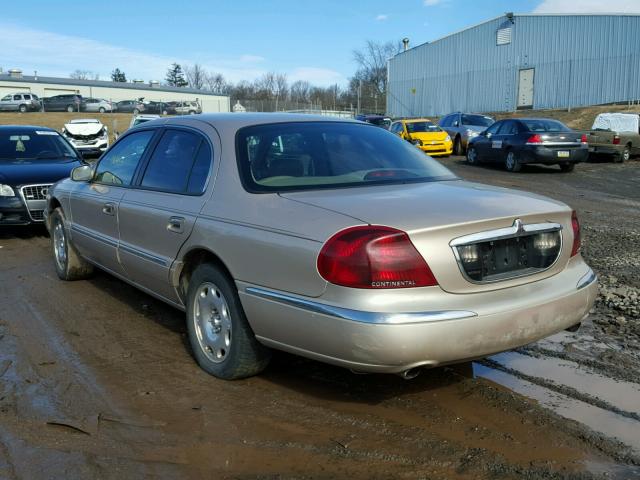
{"x":411,"y":373}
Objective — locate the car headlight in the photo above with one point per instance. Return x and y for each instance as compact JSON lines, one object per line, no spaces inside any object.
{"x":472,"y":133}
{"x":448,"y":139}
{"x":6,"y":191}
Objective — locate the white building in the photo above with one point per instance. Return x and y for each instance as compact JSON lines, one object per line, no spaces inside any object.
{"x":15,"y":81}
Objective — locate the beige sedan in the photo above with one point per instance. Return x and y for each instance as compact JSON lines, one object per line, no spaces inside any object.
{"x":328,"y":238}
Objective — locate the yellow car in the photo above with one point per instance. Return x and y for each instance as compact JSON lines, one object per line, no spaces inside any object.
{"x":425,"y":135}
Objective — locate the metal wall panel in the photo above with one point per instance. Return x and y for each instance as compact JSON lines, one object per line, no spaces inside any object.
{"x":578,"y":60}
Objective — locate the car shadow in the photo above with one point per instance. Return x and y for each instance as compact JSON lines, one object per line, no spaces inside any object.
{"x":332,"y":383}
{"x":23,"y":232}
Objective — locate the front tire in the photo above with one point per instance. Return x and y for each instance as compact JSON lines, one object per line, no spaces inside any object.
{"x":136,"y":111}
{"x":70,"y":109}
{"x":102,"y":110}
{"x":22,"y":108}
{"x":512,"y":164}
{"x":472,"y":155}
{"x":457,"y":146}
{"x":69,"y":264}
{"x":221,"y":339}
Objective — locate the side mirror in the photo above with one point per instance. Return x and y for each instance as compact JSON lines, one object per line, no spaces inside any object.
{"x":486,"y":134}
{"x":83,"y":173}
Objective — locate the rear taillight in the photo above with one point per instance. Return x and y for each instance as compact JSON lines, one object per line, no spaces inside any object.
{"x":583,"y":138}
{"x":535,"y":139}
{"x":616,"y":140}
{"x":373,"y":257}
{"x":575,"y":225}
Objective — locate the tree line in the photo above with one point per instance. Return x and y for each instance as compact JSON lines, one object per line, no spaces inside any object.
{"x":367,"y":87}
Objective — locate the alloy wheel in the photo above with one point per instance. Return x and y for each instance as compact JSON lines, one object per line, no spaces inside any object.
{"x":60,"y":245}
{"x":212,"y":321}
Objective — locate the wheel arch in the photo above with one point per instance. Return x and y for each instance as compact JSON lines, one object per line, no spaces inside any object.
{"x":190,"y":261}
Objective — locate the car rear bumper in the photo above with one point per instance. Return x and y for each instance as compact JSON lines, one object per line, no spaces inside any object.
{"x":550,"y":155}
{"x":606,"y":149}
{"x":394,"y":342}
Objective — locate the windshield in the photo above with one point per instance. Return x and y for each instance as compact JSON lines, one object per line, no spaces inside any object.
{"x":419,"y":127}
{"x":34,"y":145}
{"x":545,"y":125}
{"x":477,"y":120}
{"x":315,"y":155}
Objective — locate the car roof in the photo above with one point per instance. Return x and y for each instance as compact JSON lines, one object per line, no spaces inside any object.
{"x":25,"y":128}
{"x":240,"y":120}
{"x":414,"y":120}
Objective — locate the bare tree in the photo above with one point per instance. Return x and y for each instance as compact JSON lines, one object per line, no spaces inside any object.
{"x":299,"y":91}
{"x":217,"y":84}
{"x":196,"y":76}
{"x":372,"y":63}
{"x":84,"y":75}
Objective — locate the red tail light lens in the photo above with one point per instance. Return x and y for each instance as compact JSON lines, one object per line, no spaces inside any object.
{"x":583,"y":138}
{"x":575,"y":224}
{"x":535,"y":139}
{"x":616,"y":140}
{"x":373,"y":257}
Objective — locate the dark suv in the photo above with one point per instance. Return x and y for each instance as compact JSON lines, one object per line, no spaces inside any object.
{"x":130,"y":106}
{"x":462,"y":127}
{"x":62,"y":103}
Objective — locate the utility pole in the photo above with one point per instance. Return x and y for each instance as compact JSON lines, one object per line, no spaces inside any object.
{"x":359,"y":95}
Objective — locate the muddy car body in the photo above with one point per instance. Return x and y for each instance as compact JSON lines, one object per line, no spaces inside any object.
{"x":328,"y":238}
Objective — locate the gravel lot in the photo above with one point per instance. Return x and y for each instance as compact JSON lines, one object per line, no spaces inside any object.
{"x":98,"y":381}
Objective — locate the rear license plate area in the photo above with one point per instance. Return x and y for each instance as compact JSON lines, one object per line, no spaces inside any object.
{"x":564,"y":154}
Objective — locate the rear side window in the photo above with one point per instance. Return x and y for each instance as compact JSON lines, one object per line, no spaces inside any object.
{"x":180,"y":163}
{"x":118,"y":165}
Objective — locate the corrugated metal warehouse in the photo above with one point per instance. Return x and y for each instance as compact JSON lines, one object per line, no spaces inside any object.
{"x":520,"y":61}
{"x":14,"y":81}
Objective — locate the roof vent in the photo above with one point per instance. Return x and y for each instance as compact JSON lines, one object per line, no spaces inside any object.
{"x":15,"y":73}
{"x":503,"y":35}
{"x":154,"y":83}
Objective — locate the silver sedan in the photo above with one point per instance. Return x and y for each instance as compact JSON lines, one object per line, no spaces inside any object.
{"x":327,"y":238}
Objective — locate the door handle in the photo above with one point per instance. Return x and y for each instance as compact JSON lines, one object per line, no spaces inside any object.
{"x":109,"y":208}
{"x":176,"y":224}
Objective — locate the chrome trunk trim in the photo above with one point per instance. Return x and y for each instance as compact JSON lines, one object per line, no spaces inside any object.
{"x":587,"y":280}
{"x":377,"y":318}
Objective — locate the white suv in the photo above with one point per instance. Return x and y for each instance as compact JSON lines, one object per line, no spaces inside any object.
{"x":20,"y":102}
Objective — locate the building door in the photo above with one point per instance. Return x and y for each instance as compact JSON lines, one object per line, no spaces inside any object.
{"x":525,"y":88}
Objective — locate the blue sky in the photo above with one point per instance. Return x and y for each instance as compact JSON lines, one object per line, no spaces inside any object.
{"x":307,"y":40}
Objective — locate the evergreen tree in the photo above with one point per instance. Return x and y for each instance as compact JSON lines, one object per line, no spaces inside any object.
{"x":175,"y":76}
{"x":118,"y":76}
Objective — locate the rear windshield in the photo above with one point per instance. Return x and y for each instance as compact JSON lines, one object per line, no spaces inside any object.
{"x":316,"y":155}
{"x":477,"y":120}
{"x":418,"y":127}
{"x":545,"y":125}
{"x":381,"y":122}
{"x":34,"y":145}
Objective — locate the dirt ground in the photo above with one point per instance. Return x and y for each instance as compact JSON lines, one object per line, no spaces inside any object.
{"x":97,"y":380}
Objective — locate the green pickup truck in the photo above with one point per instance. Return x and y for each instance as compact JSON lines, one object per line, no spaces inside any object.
{"x":616,"y":135}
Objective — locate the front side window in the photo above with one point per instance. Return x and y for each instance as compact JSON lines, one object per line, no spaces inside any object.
{"x":316,"y":155}
{"x":118,"y":165}
{"x":477,"y":120}
{"x":172,"y":162}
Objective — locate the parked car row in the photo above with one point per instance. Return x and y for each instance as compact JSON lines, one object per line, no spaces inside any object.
{"x":28,"y":102}
{"x":515,"y":142}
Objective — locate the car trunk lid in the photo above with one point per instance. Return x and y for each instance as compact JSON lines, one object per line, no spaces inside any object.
{"x":435,"y":214}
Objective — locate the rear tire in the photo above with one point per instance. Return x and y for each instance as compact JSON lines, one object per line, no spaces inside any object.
{"x":472,"y":155}
{"x":512,"y":164}
{"x":221,"y":339}
{"x":567,"y":167}
{"x":624,"y":156}
{"x":136,"y":111}
{"x":68,"y":262}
